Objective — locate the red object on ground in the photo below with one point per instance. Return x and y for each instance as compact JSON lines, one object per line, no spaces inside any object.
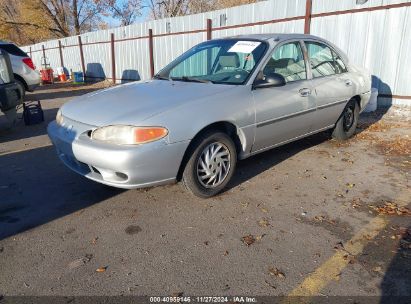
{"x":46,"y":75}
{"x":63,"y":78}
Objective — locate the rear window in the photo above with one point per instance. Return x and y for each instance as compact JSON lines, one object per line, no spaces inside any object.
{"x":13,"y":50}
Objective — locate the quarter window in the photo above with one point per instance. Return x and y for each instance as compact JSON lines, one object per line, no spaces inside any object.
{"x":321,"y":59}
{"x":288,"y":61}
{"x":4,"y":71}
{"x":339,"y":64}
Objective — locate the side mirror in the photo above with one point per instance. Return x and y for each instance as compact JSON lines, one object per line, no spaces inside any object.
{"x":270,"y":80}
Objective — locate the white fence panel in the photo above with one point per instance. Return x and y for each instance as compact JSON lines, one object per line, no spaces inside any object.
{"x":377,"y":39}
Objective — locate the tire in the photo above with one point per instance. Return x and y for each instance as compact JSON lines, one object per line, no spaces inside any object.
{"x":206,"y":178}
{"x":22,"y":87}
{"x":347,"y":123}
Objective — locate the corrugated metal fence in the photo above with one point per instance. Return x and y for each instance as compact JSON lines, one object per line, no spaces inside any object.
{"x":376,"y":35}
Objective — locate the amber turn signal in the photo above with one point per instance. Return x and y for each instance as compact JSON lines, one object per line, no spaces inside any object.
{"x":144,"y":135}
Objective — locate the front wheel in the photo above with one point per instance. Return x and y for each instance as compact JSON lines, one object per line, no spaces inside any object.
{"x":347,"y":123}
{"x":211,"y":164}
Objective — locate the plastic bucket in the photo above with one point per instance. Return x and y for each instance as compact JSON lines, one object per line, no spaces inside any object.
{"x":78,"y":77}
{"x":372,"y":104}
{"x":62,"y":77}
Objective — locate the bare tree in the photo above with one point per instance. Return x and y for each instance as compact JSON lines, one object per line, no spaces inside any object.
{"x":172,"y":8}
{"x":126,"y":12}
{"x":40,"y":19}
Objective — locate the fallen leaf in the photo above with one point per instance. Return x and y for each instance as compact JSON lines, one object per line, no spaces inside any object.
{"x":225,"y":253}
{"x":259,"y":237}
{"x":276,"y":272}
{"x":349,"y":185}
{"x":339,"y":245}
{"x":244,"y":204}
{"x":101,"y":269}
{"x":263,"y":223}
{"x":350,"y":258}
{"x":177,"y":294}
{"x":248,"y":239}
{"x":377,"y":269}
{"x":390,"y":208}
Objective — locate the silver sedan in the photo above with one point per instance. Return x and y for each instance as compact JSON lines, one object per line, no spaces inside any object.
{"x":221,"y":101}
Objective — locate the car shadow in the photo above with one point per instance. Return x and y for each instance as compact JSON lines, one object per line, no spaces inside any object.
{"x":21,"y":131}
{"x":384,"y":104}
{"x":37,"y":188}
{"x":44,"y":95}
{"x":255,"y":165}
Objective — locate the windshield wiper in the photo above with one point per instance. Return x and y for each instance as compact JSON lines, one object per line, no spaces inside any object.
{"x":157,"y":76}
{"x":191,"y":79}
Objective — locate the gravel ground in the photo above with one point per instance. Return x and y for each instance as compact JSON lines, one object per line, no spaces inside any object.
{"x":287,"y":212}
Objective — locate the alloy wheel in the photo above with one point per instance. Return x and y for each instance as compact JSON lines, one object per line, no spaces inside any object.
{"x":213,"y":165}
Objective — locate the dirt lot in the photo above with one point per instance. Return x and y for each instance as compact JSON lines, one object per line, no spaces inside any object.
{"x":315,"y":217}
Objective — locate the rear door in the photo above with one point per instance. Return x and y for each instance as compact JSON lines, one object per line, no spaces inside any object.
{"x":284,"y":113}
{"x":330,"y":81}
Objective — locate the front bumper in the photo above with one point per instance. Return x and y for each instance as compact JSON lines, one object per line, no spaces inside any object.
{"x":125,"y":167}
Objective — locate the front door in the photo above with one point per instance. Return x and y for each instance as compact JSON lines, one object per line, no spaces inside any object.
{"x":286,"y":112}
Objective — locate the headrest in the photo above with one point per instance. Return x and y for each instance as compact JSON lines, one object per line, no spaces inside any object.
{"x":229,"y":61}
{"x":283,"y":63}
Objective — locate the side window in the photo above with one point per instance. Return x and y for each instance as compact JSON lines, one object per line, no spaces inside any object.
{"x":339,"y":64}
{"x":4,"y":72}
{"x":321,"y":59}
{"x":287,"y":60}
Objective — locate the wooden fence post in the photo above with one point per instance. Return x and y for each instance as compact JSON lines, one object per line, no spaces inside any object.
{"x":61,"y":55}
{"x":150,"y":50}
{"x":307,"y":19}
{"x":44,"y":55}
{"x":113,"y":59}
{"x":209,"y":29}
{"x":83,"y":67}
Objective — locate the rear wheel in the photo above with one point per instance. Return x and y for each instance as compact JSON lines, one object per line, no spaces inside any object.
{"x":22,"y":87}
{"x":211,"y":164}
{"x":347,"y":123}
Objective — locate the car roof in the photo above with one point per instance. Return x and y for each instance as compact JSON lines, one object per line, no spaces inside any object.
{"x":5,"y":42}
{"x":276,"y":36}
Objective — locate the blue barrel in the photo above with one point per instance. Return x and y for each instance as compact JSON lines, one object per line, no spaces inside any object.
{"x":78,"y":77}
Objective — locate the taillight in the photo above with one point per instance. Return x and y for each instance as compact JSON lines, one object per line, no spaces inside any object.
{"x":29,"y":63}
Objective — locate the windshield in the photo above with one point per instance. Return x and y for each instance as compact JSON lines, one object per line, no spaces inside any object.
{"x":226,"y":61}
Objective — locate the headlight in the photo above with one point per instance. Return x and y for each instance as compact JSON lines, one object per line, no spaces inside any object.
{"x":129,"y":135}
{"x":59,"y":118}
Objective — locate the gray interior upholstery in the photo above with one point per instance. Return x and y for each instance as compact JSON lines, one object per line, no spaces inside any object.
{"x":229,"y":61}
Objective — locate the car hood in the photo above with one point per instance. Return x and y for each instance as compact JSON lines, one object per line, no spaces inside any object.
{"x":132,"y":103}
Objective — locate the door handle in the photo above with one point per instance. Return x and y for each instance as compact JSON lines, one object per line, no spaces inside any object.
{"x":305,"y":92}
